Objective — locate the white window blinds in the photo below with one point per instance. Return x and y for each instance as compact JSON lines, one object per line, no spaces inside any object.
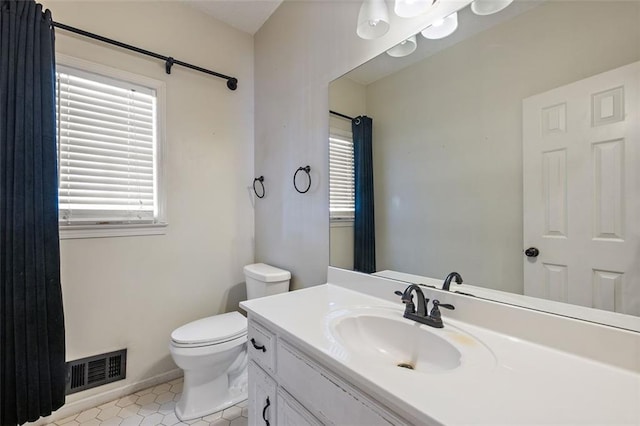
{"x":107,"y":145}
{"x":341,"y":176}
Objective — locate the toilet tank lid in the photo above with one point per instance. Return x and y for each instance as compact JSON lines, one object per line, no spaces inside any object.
{"x":266,"y":273}
{"x":217,"y":328}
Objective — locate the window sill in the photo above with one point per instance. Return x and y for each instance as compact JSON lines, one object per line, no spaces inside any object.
{"x":68,"y":232}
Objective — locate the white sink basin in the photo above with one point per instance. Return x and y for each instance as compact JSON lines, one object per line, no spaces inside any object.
{"x":383,"y":337}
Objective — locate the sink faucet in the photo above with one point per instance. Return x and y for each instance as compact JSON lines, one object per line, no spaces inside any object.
{"x":452,"y":276}
{"x":433,"y":319}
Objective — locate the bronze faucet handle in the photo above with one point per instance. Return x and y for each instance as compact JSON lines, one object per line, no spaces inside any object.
{"x":435,"y":311}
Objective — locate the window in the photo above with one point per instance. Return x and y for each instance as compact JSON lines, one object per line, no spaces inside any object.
{"x":341,"y":176}
{"x":109,"y":153}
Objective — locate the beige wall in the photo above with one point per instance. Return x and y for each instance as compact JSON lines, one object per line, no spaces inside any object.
{"x":301,"y":48}
{"x":131,"y":292}
{"x":448,"y":137}
{"x":347,"y":97}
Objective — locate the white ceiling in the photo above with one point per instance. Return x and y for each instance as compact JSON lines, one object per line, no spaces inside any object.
{"x":245,"y":15}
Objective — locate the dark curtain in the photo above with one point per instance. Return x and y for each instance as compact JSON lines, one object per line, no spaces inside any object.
{"x":32,"y":357}
{"x":364,"y":247}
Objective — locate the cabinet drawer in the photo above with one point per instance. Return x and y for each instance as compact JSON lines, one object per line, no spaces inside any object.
{"x":261,"y":346}
{"x":328,"y":398}
{"x":262,"y":397}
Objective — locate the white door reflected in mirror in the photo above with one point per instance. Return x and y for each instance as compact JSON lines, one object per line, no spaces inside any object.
{"x":580,"y":169}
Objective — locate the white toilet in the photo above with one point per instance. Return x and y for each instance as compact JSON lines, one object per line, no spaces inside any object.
{"x":213,"y":351}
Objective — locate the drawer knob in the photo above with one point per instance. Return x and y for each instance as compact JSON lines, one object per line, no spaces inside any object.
{"x":258,"y":347}
{"x":264,"y":412}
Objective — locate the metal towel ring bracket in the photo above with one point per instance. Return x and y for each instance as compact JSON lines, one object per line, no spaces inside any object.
{"x":261,"y":181}
{"x":305,"y":169}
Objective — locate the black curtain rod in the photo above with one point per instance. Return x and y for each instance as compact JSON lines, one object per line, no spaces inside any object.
{"x":232,"y":82}
{"x":346,"y":117}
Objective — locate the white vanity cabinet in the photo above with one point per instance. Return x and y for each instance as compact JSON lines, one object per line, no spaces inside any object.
{"x":287,"y":387}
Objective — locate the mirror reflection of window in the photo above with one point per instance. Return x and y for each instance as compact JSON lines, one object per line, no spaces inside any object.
{"x":341,"y":178}
{"x":341,"y":187}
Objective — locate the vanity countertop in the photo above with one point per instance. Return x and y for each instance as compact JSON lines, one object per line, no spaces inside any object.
{"x":528,"y":383}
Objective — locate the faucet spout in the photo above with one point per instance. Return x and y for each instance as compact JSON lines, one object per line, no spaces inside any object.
{"x":452,"y":276}
{"x":407,"y":299}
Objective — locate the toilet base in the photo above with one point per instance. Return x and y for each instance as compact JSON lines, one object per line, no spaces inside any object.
{"x":201,"y":398}
{"x":185,"y":415}
{"x":206,"y":391}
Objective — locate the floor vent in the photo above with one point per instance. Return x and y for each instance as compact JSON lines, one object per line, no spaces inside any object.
{"x":87,"y":373}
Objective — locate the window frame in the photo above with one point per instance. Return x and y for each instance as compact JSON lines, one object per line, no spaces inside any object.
{"x":96,"y":230}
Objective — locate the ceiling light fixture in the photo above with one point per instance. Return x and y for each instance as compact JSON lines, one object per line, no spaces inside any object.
{"x":403,"y":49}
{"x":412,"y":8}
{"x":489,"y":7}
{"x":373,"y":19}
{"x":442,"y":28}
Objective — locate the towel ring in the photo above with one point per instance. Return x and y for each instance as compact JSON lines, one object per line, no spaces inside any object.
{"x":261,"y":181}
{"x":305,"y":169}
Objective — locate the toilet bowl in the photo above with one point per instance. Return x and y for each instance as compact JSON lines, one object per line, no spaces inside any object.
{"x":213,"y":351}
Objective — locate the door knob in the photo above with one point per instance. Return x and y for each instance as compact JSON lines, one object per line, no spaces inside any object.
{"x":532,"y":252}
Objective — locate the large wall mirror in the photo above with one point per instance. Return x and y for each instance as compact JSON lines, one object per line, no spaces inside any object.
{"x":519,"y":131}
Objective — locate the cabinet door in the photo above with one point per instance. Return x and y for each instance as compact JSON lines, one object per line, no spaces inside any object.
{"x":291,"y":413}
{"x":262,"y":397}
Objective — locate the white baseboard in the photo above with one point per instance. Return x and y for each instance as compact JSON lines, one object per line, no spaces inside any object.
{"x":107,"y":396}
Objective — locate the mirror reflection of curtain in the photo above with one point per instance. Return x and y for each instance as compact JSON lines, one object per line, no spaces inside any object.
{"x":32,"y":340}
{"x":364,"y":247}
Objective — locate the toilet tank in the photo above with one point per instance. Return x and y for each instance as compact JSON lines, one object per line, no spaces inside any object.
{"x":265,"y":280}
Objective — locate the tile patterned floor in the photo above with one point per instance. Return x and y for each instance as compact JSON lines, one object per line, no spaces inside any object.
{"x":153,"y":407}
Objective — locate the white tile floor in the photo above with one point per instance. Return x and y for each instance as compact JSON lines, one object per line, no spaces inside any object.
{"x":153,"y":406}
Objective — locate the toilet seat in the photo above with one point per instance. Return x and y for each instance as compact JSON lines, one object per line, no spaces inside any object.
{"x":210,"y":331}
